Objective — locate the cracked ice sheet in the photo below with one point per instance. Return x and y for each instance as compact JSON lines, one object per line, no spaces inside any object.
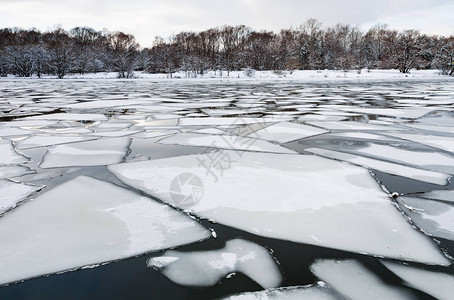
{"x":350,"y":125}
{"x":118,"y":133}
{"x":13,"y":171}
{"x":445,"y":195}
{"x":86,"y":221}
{"x":206,"y":268}
{"x":225,"y":142}
{"x":50,"y":140}
{"x":315,"y":117}
{"x":433,"y":161}
{"x":312,"y":292}
{"x":383,"y":166}
{"x":361,"y":136}
{"x":151,"y":134}
{"x":353,"y":280}
{"x":434,"y":217}
{"x":28,"y":123}
{"x":11,"y":193}
{"x":104,"y":103}
{"x":407,"y":113}
{"x":7,"y":132}
{"x":292,"y":197}
{"x":213,"y":121}
{"x":440,"y":142}
{"x":444,"y":129}
{"x":91,"y":153}
{"x":286,"y":132}
{"x":70,"y":117}
{"x":9,"y":155}
{"x":436,"y":284}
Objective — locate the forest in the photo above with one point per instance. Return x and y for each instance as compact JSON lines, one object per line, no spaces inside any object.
{"x":310,"y":46}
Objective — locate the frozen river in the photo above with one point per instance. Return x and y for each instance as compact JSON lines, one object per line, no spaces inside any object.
{"x":206,"y":189}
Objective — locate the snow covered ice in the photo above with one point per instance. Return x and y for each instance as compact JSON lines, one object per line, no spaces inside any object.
{"x":313,"y":292}
{"x":207,"y":268}
{"x":225,"y":142}
{"x":445,"y":195}
{"x":391,"y":168}
{"x":89,"y":153}
{"x":354,"y":281}
{"x":434,"y":217}
{"x":436,"y":284}
{"x":292,"y":197}
{"x":11,"y":193}
{"x":83,"y":222}
{"x":286,"y":132}
{"x":9,"y":155}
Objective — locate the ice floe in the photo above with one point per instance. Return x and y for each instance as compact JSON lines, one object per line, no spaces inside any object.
{"x":83,"y":222}
{"x":434,"y":161}
{"x":434,"y":217}
{"x":445,"y":195}
{"x":13,"y":171}
{"x":356,"y":282}
{"x":445,"y":129}
{"x":206,"y":268}
{"x":436,"y":284}
{"x":292,"y":197}
{"x":361,"y":136}
{"x":286,"y":132}
{"x":383,"y":166}
{"x":441,"y":142}
{"x":213,"y":121}
{"x":50,"y":140}
{"x":70,"y":117}
{"x":11,"y":193}
{"x":91,"y":153}
{"x":9,"y":132}
{"x":409,"y":113}
{"x":108,"y":103}
{"x":350,"y":125}
{"x":312,"y":292}
{"x":9,"y":155}
{"x":224,"y":142}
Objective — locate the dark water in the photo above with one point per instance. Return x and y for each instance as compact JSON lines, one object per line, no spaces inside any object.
{"x":130,"y":278}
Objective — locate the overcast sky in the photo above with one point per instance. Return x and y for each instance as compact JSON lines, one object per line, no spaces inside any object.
{"x":149,"y":18}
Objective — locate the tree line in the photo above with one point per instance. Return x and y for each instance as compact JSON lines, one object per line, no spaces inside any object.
{"x":229,"y":48}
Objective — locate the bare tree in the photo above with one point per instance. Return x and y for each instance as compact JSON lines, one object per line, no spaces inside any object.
{"x":123,"y":48}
